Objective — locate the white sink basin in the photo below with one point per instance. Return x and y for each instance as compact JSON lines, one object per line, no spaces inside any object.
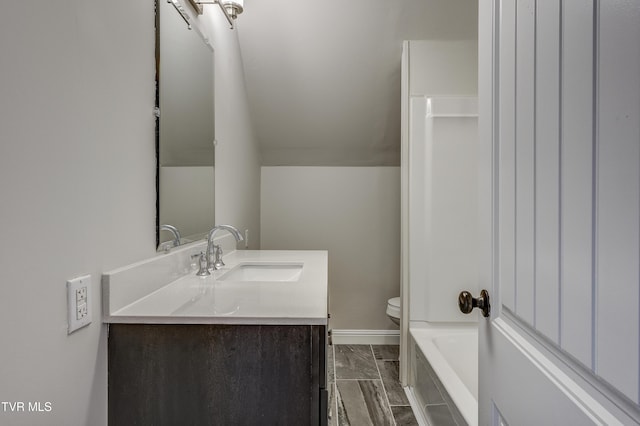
{"x":259,"y":271}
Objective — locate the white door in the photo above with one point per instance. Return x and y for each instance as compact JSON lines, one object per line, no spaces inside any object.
{"x":560,"y":137}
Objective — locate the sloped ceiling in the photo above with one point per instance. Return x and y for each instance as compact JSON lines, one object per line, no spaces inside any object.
{"x":323,"y":77}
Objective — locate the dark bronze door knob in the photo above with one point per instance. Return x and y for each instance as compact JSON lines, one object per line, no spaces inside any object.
{"x":466,"y":302}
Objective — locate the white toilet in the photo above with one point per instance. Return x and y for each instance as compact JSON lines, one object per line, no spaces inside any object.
{"x":393,"y":310}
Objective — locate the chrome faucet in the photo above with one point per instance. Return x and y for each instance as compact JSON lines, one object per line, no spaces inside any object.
{"x":210,"y":245}
{"x":174,"y":231}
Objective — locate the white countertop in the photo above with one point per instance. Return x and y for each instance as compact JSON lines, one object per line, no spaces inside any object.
{"x":191,"y":299}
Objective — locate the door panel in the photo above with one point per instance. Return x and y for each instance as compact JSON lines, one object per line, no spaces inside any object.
{"x":560,"y":124}
{"x":576,"y":179}
{"x":507,"y":152}
{"x":525,"y":166}
{"x":618,"y":196}
{"x":547,"y":161}
{"x":532,"y":390}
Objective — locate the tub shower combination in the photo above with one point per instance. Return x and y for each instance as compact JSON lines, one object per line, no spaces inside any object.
{"x":442,"y":367}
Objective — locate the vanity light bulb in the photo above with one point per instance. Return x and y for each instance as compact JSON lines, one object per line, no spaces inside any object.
{"x":234,"y":7}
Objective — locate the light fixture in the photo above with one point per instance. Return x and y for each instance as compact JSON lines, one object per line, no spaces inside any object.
{"x":230,"y":8}
{"x":233,"y":7}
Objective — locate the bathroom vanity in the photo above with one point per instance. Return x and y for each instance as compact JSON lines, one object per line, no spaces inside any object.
{"x":246,"y":345}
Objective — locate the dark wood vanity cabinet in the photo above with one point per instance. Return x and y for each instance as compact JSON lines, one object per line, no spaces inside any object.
{"x":217,"y":374}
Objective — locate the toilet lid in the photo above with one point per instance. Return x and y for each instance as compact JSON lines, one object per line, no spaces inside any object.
{"x":395,"y":302}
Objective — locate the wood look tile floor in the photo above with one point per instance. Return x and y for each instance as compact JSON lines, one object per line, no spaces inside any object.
{"x":364,"y":388}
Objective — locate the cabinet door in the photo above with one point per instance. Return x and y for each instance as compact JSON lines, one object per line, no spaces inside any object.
{"x":216,"y":374}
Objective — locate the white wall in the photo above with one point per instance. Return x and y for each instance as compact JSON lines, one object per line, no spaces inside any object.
{"x":443,"y":67}
{"x":237,"y":153}
{"x":353,"y":212}
{"x":77,"y":181}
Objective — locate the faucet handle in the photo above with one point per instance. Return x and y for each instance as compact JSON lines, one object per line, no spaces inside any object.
{"x":203,"y":271}
{"x":218,"y":263}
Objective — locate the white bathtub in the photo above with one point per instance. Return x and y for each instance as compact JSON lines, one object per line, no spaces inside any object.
{"x":452,"y":352}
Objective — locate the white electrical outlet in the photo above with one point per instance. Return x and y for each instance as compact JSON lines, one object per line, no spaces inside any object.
{"x":81,"y":295}
{"x":79,"y":302}
{"x":81,"y":311}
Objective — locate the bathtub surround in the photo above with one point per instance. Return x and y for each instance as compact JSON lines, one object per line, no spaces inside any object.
{"x":434,"y":69}
{"x":439,"y":215}
{"x":443,"y":208}
{"x":77,"y":178}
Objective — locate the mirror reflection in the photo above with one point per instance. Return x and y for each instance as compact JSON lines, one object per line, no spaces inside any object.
{"x":185,"y":130}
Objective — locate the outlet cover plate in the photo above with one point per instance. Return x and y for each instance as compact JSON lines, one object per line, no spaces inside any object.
{"x":78,"y":303}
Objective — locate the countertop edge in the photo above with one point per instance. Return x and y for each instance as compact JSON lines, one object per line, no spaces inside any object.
{"x":213,"y":320}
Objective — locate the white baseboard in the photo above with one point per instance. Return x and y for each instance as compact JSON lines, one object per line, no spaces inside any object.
{"x":365,"y":337}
